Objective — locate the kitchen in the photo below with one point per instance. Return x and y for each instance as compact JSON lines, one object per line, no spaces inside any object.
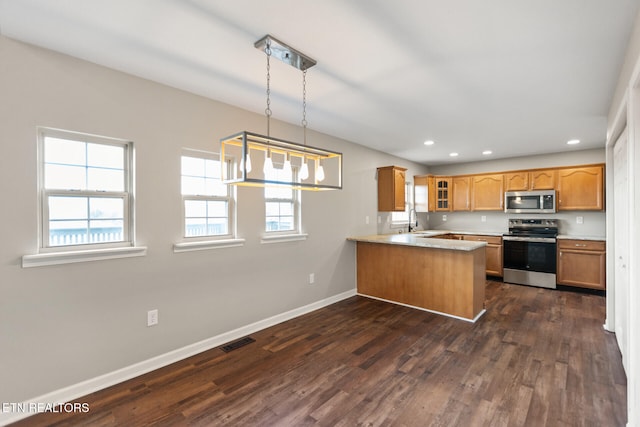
{"x":530,"y":252}
{"x":90,"y":334}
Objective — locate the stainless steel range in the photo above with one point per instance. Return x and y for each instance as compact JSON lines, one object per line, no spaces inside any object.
{"x":530,"y":252}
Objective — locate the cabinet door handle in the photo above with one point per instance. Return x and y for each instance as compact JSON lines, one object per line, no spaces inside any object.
{"x":579,"y":245}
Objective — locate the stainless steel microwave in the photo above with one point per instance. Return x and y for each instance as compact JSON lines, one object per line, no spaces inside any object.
{"x":543,"y":201}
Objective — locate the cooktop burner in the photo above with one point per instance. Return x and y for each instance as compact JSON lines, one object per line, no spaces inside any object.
{"x":533,"y":227}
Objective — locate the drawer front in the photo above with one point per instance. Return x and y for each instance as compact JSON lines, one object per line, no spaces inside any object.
{"x":584,"y":245}
{"x":491,"y":240}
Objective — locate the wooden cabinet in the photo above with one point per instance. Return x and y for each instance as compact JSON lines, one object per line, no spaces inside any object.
{"x":441,"y":280}
{"x":391,"y":189}
{"x":582,"y":263}
{"x":450,"y":236}
{"x":461,"y":193}
{"x":488,"y":192}
{"x":516,"y":181}
{"x":578,"y":188}
{"x":493,"y":252}
{"x":544,"y":179}
{"x":442,"y":193}
{"x":541,"y":179}
{"x":581,"y":188}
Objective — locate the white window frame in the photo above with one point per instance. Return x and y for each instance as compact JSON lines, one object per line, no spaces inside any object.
{"x":271,"y":236}
{"x":212,"y":241}
{"x":45,"y":194}
{"x":401,"y":219}
{"x":64,"y":254}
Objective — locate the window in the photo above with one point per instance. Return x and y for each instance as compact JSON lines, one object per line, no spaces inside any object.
{"x":85,"y":189}
{"x":402,"y":218}
{"x":281,"y":203}
{"x":207,"y":202}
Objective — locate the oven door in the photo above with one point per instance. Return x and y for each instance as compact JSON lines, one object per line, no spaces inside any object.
{"x":530,"y":254}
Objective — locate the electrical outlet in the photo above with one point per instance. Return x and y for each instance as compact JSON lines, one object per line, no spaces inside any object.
{"x":579,"y":220}
{"x":444,"y":218}
{"x":379,"y":219}
{"x":152,"y":317}
{"x":366,"y":220}
{"x":312,"y":278}
{"x":483,"y":218}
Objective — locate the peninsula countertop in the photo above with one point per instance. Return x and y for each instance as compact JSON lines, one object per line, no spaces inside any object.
{"x":423,"y":239}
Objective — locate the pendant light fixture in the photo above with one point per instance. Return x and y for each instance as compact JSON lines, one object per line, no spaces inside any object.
{"x":246,"y":147}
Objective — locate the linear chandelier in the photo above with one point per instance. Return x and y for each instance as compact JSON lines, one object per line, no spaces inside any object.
{"x":262,"y":160}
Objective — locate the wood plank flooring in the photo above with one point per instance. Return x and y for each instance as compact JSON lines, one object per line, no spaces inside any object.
{"x":538,"y":357}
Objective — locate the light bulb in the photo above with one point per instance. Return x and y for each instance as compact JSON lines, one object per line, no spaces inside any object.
{"x":287,"y":164}
{"x":242,"y":167}
{"x":319,"y":172}
{"x":304,"y":170}
{"x":248,"y":163}
{"x":268,"y":164}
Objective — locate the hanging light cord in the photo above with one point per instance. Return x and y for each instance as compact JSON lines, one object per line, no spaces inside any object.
{"x":304,"y":106}
{"x":267,"y":110}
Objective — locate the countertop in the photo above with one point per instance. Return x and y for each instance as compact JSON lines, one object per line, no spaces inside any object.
{"x":421,"y":239}
{"x":475,"y":233}
{"x":596,"y":238}
{"x":429,"y":239}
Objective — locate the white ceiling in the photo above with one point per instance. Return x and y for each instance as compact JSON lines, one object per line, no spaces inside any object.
{"x":512,"y":76}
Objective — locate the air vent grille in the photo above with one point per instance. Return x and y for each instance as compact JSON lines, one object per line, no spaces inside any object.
{"x":234,"y":345}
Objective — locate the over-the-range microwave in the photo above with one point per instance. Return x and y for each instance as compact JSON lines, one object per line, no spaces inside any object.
{"x":530,"y":202}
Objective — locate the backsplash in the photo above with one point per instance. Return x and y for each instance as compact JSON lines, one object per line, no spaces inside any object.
{"x":593,"y":223}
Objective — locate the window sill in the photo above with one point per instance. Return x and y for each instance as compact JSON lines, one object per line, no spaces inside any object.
{"x":284,"y":238}
{"x":207,"y":244}
{"x":55,"y":258}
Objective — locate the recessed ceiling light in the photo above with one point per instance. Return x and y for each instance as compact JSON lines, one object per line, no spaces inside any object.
{"x":487,"y":152}
{"x":429,"y":142}
{"x":573,"y":142}
{"x":453,"y":154}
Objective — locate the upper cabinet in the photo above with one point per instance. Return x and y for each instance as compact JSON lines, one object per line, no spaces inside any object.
{"x":442,"y":193}
{"x":578,"y":188}
{"x":461,"y":193}
{"x":581,"y":188}
{"x":488,"y":192}
{"x":391,"y":189}
{"x":542,"y":179}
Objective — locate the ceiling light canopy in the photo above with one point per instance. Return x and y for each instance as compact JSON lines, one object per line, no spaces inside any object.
{"x":284,"y":163}
{"x":285,"y":53}
{"x":573,"y":142}
{"x":429,"y":142}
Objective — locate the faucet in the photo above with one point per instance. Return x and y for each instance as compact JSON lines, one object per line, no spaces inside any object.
{"x":415,"y":214}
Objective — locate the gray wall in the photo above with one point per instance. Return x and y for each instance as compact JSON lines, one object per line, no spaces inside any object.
{"x":63,"y":324}
{"x":594,"y":223}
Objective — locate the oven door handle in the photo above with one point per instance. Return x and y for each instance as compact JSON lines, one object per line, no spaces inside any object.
{"x":529,"y":239}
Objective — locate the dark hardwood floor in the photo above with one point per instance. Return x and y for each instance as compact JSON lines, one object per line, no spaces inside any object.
{"x":538,"y":357}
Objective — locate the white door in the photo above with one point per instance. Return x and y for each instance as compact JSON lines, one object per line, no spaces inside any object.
{"x":621,"y":194}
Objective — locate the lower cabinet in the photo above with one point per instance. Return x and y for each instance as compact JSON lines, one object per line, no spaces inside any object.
{"x":493,"y":253}
{"x":582,"y":263}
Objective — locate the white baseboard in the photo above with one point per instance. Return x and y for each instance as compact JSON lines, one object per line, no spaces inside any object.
{"x":479,"y":315}
{"x":92,"y":385}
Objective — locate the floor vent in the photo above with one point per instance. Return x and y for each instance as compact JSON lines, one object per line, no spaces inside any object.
{"x":237,"y":344}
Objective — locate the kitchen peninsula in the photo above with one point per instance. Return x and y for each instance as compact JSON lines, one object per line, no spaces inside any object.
{"x":442,"y":276}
